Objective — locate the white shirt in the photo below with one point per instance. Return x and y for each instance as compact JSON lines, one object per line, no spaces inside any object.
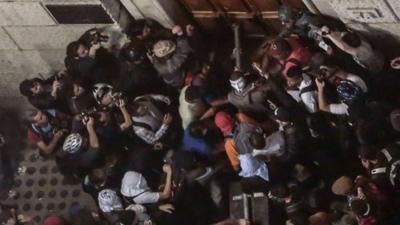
{"x":147,"y":197}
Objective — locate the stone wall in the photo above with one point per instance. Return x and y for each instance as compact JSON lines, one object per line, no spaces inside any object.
{"x":32,"y":43}
{"x":379,"y":20}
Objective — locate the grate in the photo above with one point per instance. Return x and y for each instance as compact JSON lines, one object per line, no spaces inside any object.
{"x":79,"y":14}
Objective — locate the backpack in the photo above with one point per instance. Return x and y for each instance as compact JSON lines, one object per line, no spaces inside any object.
{"x":241,"y":137}
{"x":391,"y":168}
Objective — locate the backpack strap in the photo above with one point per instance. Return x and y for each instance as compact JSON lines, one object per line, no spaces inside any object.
{"x":387,"y":155}
{"x":378,"y":170}
{"x":310,"y":88}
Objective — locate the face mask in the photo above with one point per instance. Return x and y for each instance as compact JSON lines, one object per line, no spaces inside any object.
{"x":238,"y":84}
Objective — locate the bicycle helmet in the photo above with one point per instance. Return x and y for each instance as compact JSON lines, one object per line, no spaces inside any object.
{"x":72,"y":143}
{"x":99,"y":90}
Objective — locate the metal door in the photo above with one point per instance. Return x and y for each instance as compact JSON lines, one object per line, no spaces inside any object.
{"x":257,"y":17}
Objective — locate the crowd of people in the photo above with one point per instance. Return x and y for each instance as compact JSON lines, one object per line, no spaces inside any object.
{"x":157,"y":132}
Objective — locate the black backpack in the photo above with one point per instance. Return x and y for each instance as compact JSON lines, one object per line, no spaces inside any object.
{"x":391,"y":167}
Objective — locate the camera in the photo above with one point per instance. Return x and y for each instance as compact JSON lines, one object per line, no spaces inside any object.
{"x":97,"y":37}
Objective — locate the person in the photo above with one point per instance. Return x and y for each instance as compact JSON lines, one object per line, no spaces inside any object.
{"x":82,"y":98}
{"x":46,"y":94}
{"x":302,"y":88}
{"x":286,"y":51}
{"x":150,"y":121}
{"x":226,"y":124}
{"x":80,"y":154}
{"x":350,"y":88}
{"x":46,"y":132}
{"x":169,"y":59}
{"x":193,"y":107}
{"x":134,"y":188}
{"x":359,"y":48}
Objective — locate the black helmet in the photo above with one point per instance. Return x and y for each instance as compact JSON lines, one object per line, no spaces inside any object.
{"x":348,"y":91}
{"x":133,"y":52}
{"x":287,"y":13}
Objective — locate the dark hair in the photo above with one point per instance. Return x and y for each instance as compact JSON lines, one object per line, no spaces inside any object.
{"x":133,"y":108}
{"x":83,"y":217}
{"x":367,"y":152}
{"x":352,"y":39}
{"x":257,"y":140}
{"x":360,"y":207}
{"x":72,"y":48}
{"x":196,"y":129}
{"x":136,"y":28}
{"x":192,"y":93}
{"x":321,"y":59}
{"x":236,"y":75}
{"x":25,"y":87}
{"x":294,"y":71}
{"x":282,"y":46}
{"x":280,"y":191}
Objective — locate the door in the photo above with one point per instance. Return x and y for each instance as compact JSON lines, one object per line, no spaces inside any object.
{"x":256,"y":17}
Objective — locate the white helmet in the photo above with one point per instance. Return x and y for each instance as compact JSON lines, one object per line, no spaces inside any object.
{"x":99,"y":90}
{"x":72,"y":143}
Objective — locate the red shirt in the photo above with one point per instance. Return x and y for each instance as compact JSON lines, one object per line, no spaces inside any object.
{"x":300,"y":54}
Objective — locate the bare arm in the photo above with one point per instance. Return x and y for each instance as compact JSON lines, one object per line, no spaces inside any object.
{"x":47,"y":149}
{"x":336,"y":38}
{"x":127,"y":118}
{"x":209,"y":113}
{"x":323,"y":105}
{"x":166,"y":193}
{"x":93,"y":139}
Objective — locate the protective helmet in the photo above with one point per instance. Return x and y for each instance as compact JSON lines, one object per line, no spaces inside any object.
{"x":348,"y":90}
{"x":99,"y":90}
{"x":133,"y":52}
{"x":287,"y":13}
{"x":163,"y":48}
{"x":72,"y":143}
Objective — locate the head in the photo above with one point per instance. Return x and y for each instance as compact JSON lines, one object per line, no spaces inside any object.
{"x":98,"y":176}
{"x":54,"y":220}
{"x":361,"y":208}
{"x":31,"y":87}
{"x":257,"y":140}
{"x":198,"y":129}
{"x":287,"y":15}
{"x":294,"y":75}
{"x":320,"y":218}
{"x":164,"y":48}
{"x":134,"y":53}
{"x":103,"y":94}
{"x":237,"y":81}
{"x":281,"y":48}
{"x":138,"y":109}
{"x":139,"y":29}
{"x":352,"y":39}
{"x":283,"y":116}
{"x":367,"y":155}
{"x":192,"y":94}
{"x":77,"y":49}
{"x":73,"y":143}
{"x":343,"y":186}
{"x":40,"y":118}
{"x":224,"y":122}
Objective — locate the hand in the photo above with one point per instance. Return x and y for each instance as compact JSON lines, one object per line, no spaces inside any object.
{"x":24,"y":219}
{"x":59,"y":134}
{"x":96,"y":46}
{"x":88,"y":121}
{"x":243,"y":222}
{"x":236,"y":52}
{"x":329,"y":50}
{"x":167,"y":119}
{"x":121,"y":103}
{"x":360,"y":194}
{"x":168,"y":208}
{"x":257,"y":67}
{"x":320,"y":83}
{"x":167,"y":169}
{"x":177,"y":30}
{"x":56,"y":85}
{"x":158,"y":146}
{"x":148,"y":222}
{"x":395,"y":63}
{"x":167,"y":100}
{"x":189,"y":30}
{"x":324,"y":31}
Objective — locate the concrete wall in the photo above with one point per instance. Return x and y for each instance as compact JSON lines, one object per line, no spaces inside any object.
{"x":32,"y":42}
{"x":379,"y":20}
